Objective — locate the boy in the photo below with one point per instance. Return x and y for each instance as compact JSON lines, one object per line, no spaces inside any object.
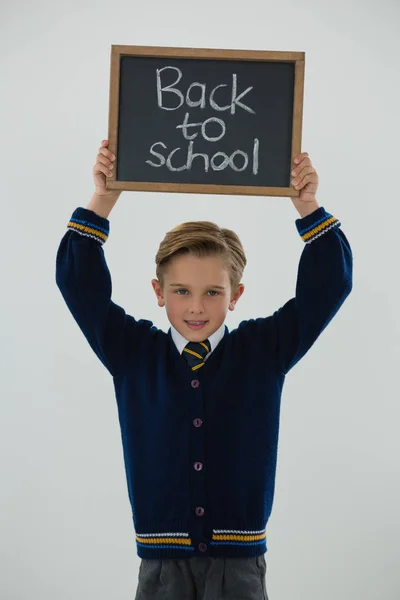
{"x":199,"y":406}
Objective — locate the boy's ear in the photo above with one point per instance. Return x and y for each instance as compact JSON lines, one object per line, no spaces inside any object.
{"x":158,"y":291}
{"x":236,"y":296}
{"x":156,"y":286}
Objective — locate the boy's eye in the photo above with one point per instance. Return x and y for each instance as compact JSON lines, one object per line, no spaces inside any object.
{"x":184,"y":290}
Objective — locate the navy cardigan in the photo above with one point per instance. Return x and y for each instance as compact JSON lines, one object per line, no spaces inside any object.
{"x":200,"y":448}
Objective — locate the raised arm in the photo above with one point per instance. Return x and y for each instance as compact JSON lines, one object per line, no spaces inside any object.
{"x":325,"y":272}
{"x":84,"y":279}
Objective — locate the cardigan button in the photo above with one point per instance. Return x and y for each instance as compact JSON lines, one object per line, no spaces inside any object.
{"x":199,"y":511}
{"x":202,"y":547}
{"x":198,"y":466}
{"x":197,"y":422}
{"x":195,"y":383}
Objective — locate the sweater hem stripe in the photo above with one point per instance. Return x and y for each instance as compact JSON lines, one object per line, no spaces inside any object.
{"x":220,"y":538}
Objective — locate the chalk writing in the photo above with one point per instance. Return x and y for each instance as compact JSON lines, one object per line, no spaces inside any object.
{"x":194,"y":98}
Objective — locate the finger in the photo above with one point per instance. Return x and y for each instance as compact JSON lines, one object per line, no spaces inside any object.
{"x":100,"y":168}
{"x":305,"y":164}
{"x":101,"y":158}
{"x":107,"y":153}
{"x":104,"y":150}
{"x":300,"y":172}
{"x":311,"y":178}
{"x":306,"y":161}
{"x":300,"y":157}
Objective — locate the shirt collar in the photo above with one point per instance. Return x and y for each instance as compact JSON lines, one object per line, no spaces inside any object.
{"x":214,"y":339}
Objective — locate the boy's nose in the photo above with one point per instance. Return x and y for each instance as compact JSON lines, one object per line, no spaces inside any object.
{"x":196,"y":306}
{"x":196,"y":314}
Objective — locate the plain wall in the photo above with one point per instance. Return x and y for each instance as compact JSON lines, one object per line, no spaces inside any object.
{"x":65,"y":520}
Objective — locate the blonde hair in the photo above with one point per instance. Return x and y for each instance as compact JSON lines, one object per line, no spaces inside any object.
{"x":202,"y":239}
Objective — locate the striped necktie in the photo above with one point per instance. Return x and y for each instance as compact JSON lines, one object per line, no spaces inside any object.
{"x":195,"y":352}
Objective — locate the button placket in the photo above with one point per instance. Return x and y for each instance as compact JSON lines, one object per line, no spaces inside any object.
{"x":198,"y":466}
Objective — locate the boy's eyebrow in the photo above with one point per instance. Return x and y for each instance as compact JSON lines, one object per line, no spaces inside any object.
{"x":220,"y":287}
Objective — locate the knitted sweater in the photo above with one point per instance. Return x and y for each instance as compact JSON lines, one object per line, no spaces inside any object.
{"x":200,"y":448}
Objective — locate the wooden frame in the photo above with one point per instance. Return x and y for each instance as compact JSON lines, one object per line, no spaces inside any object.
{"x":298,"y":58}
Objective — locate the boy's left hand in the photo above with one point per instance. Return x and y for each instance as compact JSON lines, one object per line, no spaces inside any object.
{"x":304,"y":178}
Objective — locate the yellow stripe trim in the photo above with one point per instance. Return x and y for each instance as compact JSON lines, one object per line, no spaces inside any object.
{"x":240,"y":538}
{"x":103,"y":236}
{"x":157,"y":540}
{"x":319,"y":228}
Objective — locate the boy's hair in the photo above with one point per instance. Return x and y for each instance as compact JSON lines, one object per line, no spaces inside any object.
{"x":202,"y":239}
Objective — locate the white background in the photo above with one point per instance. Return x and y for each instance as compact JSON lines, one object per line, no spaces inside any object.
{"x":65,"y":521}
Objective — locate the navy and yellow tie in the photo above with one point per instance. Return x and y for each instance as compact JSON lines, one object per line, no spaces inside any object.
{"x":195,"y":352}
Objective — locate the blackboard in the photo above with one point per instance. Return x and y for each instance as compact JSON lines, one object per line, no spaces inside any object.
{"x":205,"y":121}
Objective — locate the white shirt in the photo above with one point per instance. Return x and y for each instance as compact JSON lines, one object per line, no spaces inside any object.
{"x":214,"y":339}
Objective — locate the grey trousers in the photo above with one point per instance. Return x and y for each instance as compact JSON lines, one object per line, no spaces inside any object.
{"x":202,"y":578}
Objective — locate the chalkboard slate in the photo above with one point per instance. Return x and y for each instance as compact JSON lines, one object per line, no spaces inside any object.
{"x":205,"y":121}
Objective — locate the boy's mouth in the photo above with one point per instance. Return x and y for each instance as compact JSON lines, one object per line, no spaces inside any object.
{"x":195,"y":324}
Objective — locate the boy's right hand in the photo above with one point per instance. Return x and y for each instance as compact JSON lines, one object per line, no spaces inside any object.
{"x":104,"y":167}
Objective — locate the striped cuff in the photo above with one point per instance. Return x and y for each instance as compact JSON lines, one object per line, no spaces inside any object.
{"x":316,"y":224}
{"x":88,"y":223}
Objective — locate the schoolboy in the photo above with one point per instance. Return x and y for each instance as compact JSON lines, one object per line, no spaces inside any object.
{"x":199,"y":406}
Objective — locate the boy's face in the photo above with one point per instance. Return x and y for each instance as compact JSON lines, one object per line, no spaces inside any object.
{"x":196,"y":289}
